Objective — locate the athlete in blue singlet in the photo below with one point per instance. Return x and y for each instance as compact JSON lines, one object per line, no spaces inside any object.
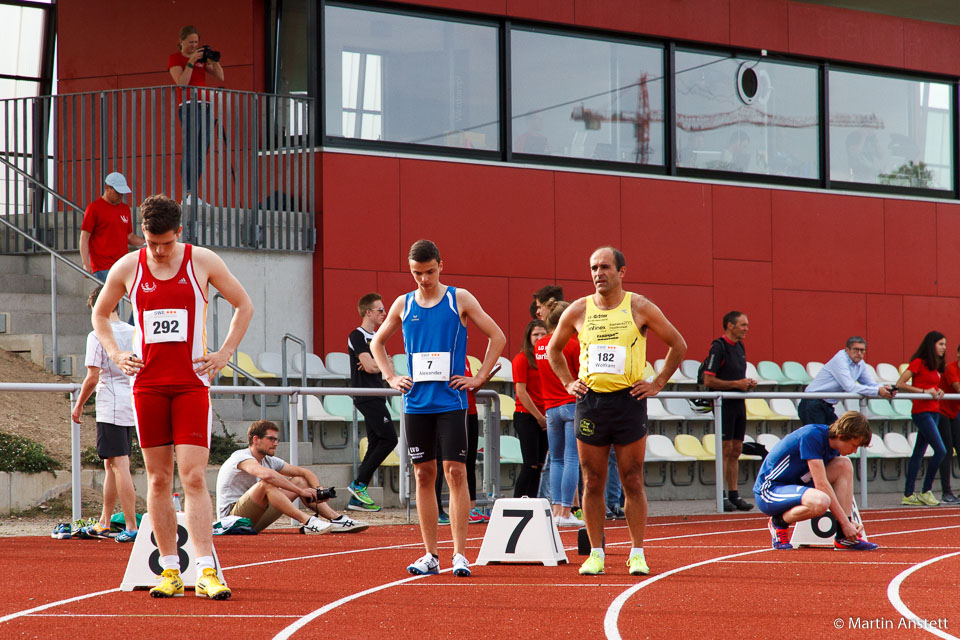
{"x":433,"y":320}
{"x":807,"y":473}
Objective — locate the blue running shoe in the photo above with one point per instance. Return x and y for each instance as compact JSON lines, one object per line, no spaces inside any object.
{"x":780,"y":537}
{"x":62,"y":532}
{"x":126,"y":536}
{"x":427,"y":565}
{"x":443,"y":519}
{"x":854,"y":545}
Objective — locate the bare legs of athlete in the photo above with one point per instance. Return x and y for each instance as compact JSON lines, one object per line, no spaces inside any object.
{"x":192,"y":462}
{"x":593,"y":463}
{"x":815,"y":502}
{"x":731,"y":462}
{"x":427,"y":508}
{"x":117,"y":482}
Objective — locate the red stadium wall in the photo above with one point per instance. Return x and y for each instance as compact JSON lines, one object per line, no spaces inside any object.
{"x":809,"y":268}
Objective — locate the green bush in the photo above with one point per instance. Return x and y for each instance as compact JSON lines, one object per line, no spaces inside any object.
{"x":221,"y":446}
{"x":22,"y":454}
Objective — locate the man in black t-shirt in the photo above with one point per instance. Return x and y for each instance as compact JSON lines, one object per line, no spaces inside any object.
{"x":726,"y":370}
{"x":381,"y":436}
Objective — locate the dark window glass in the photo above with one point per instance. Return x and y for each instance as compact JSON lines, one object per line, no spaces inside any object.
{"x":291,"y":63}
{"x":586,"y":98}
{"x":890,"y":131}
{"x":751,"y":116}
{"x":410,"y":79}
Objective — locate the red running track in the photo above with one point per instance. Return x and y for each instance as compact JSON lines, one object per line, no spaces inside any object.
{"x":712,"y":576}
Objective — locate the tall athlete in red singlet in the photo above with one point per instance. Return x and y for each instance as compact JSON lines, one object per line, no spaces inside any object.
{"x":168,"y":282}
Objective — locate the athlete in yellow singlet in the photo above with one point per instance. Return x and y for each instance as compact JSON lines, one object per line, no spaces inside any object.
{"x":611,"y":395}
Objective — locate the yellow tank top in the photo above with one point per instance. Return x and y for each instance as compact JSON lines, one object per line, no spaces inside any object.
{"x":613,"y":352}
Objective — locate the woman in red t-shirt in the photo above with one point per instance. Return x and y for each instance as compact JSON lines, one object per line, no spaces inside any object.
{"x":560,"y":405}
{"x":949,"y":427}
{"x":923,"y":373}
{"x":528,"y":418}
{"x":189,"y":67}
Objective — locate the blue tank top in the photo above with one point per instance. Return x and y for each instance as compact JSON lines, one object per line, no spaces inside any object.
{"x":434,"y":330}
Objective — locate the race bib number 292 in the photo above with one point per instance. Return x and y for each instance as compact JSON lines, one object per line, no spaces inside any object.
{"x":165,"y":325}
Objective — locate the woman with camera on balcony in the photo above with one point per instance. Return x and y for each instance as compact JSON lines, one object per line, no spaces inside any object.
{"x":189,"y":67}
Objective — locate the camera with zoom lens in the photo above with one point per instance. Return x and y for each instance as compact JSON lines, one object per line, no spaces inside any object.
{"x":209,"y":54}
{"x":326,"y":494}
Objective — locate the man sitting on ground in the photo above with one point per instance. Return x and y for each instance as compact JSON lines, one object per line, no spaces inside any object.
{"x":809,"y":472}
{"x":255,"y":484}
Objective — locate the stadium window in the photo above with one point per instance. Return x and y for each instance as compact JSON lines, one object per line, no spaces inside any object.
{"x":746,"y":115}
{"x":582,"y":97}
{"x":890,"y":131}
{"x":411,"y":79}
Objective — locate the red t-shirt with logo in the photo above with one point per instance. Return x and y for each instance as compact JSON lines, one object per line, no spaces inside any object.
{"x":471,"y":396}
{"x":924,"y":378}
{"x":951,"y":374}
{"x":108,"y":226}
{"x":554,"y":395}
{"x":530,"y":376}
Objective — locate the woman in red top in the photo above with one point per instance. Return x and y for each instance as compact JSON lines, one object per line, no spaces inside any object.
{"x":189,"y":67}
{"x":560,"y":405}
{"x":949,"y":427}
{"x":926,"y":365}
{"x":528,"y":418}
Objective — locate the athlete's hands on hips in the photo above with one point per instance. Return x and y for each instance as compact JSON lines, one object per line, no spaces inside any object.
{"x":127,"y":362}
{"x":467,"y":383}
{"x":576,"y":388}
{"x":400,"y":383}
{"x":643,"y":389}
{"x":211,"y":364}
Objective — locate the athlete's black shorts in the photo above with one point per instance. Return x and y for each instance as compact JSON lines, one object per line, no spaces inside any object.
{"x":427,"y":431}
{"x":734,"y":419}
{"x":615,"y":417}
{"x":113,"y":441}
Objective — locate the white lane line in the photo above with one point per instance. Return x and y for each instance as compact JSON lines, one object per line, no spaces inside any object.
{"x":258,"y":616}
{"x":613,"y":611}
{"x":17,"y":614}
{"x":893,"y":595}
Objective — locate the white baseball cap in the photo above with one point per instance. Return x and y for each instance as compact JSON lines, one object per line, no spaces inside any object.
{"x":117,"y":181}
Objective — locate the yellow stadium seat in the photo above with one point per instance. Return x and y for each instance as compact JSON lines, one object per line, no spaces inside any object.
{"x":710,"y":446}
{"x":245,"y":362}
{"x":392,"y":460}
{"x":687,"y":445}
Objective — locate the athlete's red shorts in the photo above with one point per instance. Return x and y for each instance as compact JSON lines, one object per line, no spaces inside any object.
{"x":172,"y":414}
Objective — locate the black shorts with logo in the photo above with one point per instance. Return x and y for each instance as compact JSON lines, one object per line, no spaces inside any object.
{"x":615,"y":417}
{"x":426,"y":431}
{"x":733,"y":418}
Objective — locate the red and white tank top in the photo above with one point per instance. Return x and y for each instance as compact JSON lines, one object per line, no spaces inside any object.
{"x":170,"y":317}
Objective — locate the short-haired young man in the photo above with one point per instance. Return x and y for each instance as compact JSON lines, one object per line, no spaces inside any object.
{"x":542,"y":296}
{"x":433,"y":319}
{"x":253,"y":483}
{"x":809,"y":472}
{"x":364,"y":373}
{"x":169,"y":282}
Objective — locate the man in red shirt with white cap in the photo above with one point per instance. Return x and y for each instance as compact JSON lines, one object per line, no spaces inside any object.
{"x":107,"y":228}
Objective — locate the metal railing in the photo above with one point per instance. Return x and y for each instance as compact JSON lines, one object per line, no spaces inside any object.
{"x":491,"y":429}
{"x":246,"y":159}
{"x":54,"y":304}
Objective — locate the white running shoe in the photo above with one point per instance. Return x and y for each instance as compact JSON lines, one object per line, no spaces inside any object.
{"x":461,"y":568}
{"x":569,"y":521}
{"x":316,"y":525}
{"x":345,"y":524}
{"x":427,"y":565}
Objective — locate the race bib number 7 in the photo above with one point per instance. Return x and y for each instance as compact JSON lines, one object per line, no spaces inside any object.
{"x":165,"y":325}
{"x":429,"y":367}
{"x":607,"y":358}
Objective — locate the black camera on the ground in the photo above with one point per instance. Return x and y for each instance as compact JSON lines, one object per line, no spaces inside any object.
{"x":209,"y":54}
{"x":326,"y":494}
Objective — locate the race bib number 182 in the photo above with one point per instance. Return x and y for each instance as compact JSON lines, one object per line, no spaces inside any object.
{"x":165,"y":325}
{"x":607,"y":358}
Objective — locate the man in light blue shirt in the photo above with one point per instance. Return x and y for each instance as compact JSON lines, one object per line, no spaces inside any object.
{"x":846,"y":372}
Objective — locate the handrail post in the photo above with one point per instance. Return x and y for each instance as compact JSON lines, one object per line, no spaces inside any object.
{"x":53,"y":314}
{"x":75,"y":481}
{"x":718,"y":439}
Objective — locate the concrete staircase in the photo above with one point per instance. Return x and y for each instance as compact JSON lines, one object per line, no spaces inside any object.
{"x":25,"y":304}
